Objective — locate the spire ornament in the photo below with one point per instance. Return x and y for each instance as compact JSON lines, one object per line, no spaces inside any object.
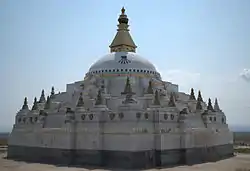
{"x":123,"y":11}
{"x":199,"y":98}
{"x":128,"y":92}
{"x":42,"y":98}
{"x":99,"y":100}
{"x":198,"y":104}
{"x":150,"y":88}
{"x":52,"y":91}
{"x":171,"y":102}
{"x":192,"y":96}
{"x":123,"y":41}
{"x":128,"y":88}
{"x":35,"y":107}
{"x":156,"y":99}
{"x":25,"y":104}
{"x":216,"y":105}
{"x":80,"y":102}
{"x":209,"y":106}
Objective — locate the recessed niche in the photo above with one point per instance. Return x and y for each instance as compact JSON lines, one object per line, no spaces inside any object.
{"x":111,"y":116}
{"x":91,"y":116}
{"x":165,"y":116}
{"x":138,"y":115}
{"x":121,"y":115}
{"x":83,"y":116}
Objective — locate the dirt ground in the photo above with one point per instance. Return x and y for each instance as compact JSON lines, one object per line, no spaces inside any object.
{"x":240,"y":162}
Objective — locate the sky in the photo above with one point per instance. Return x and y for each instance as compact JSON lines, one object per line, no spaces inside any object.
{"x":200,"y":44}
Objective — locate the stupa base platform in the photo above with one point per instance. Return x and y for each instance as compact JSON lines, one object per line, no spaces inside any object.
{"x":120,"y":159}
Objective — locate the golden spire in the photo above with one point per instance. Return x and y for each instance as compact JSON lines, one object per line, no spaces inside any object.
{"x":123,"y":41}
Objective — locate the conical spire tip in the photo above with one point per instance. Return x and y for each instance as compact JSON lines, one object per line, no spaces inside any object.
{"x":123,"y":10}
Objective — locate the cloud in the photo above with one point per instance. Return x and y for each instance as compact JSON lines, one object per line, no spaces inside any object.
{"x":245,"y":74}
{"x":184,"y":79}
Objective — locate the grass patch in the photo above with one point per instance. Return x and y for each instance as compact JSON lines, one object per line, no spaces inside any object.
{"x":242,"y":150}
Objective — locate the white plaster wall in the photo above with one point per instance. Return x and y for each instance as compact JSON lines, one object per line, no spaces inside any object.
{"x":55,"y":120}
{"x":89,"y":141}
{"x":62,"y":97}
{"x":206,"y":138}
{"x":183,"y":96}
{"x":127,"y":127}
{"x":50,"y":138}
{"x":114,"y":102}
{"x":194,"y":120}
{"x":169,"y":141}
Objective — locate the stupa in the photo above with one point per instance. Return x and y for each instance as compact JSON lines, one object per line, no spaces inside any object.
{"x":121,"y":115}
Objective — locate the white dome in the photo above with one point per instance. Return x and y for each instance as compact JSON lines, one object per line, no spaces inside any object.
{"x":122,"y":60}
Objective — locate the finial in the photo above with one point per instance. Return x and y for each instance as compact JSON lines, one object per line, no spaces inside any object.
{"x":156,"y":99}
{"x":80,"y":102}
{"x":35,"y":107}
{"x":123,"y":41}
{"x":150,"y":88}
{"x":171,"y":102}
{"x":52,"y":91}
{"x":128,"y":92}
{"x":199,"y":98}
{"x":25,"y":104}
{"x":216,"y":105}
{"x":128,"y":88}
{"x":99,"y":98}
{"x":192,"y":96}
{"x":123,"y":10}
{"x":209,"y":106}
{"x":42,"y":98}
{"x":47,"y":104}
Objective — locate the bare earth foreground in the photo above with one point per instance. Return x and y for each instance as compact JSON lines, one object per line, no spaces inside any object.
{"x":240,"y":162}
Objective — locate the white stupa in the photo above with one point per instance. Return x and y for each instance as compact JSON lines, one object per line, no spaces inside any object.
{"x":121,"y":115}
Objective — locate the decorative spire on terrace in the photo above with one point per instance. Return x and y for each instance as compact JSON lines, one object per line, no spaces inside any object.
{"x":156,"y":99}
{"x":199,"y":98}
{"x":25,"y":104}
{"x":42,"y":98}
{"x":35,"y":107}
{"x":216,"y":106}
{"x":123,"y":41}
{"x":192,"y":96}
{"x":209,"y":106}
